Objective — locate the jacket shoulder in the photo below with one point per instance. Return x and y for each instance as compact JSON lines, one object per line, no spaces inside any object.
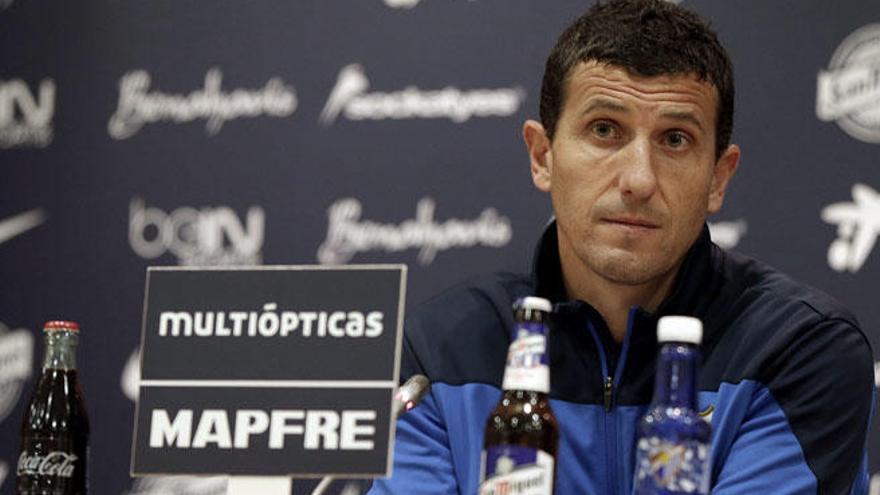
{"x":767,"y":286}
{"x":461,"y":334}
{"x":762,"y":317}
{"x":810,"y":353}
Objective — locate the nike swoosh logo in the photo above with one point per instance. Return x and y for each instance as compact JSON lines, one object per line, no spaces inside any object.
{"x":21,"y":223}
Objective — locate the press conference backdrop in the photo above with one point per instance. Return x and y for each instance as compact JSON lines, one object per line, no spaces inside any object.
{"x":137,"y":133}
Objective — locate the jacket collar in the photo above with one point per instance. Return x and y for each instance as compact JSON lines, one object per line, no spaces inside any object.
{"x":693,"y":283}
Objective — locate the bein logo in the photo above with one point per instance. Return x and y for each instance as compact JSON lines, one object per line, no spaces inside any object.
{"x":858,"y":224}
{"x":25,"y":119}
{"x":205,"y":236}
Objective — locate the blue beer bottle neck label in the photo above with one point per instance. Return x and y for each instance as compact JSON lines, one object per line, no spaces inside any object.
{"x":527,"y":364}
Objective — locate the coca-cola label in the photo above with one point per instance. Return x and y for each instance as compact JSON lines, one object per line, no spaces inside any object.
{"x":516,"y":470}
{"x":672,"y":467}
{"x":56,"y":463}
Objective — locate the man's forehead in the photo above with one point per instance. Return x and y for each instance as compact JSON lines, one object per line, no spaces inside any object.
{"x":594,"y":79}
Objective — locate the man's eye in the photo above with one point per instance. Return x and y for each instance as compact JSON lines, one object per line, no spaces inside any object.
{"x":676,"y":139}
{"x":604,"y":129}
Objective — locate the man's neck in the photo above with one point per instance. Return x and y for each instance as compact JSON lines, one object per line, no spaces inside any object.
{"x":611,"y":299}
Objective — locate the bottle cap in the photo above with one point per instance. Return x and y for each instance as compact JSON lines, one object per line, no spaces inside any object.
{"x":534,"y":303}
{"x":685,"y":329}
{"x":54,"y":325}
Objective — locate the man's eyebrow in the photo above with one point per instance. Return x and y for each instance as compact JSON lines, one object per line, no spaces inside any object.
{"x":684,"y":116}
{"x":604,"y":104}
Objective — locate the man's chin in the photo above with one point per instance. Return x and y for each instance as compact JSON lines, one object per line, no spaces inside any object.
{"x":627,"y":268}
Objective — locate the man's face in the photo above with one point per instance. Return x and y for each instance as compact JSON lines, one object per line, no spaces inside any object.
{"x":631,"y":170}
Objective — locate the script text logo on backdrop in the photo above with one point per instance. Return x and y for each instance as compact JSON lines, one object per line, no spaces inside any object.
{"x":727,"y":234}
{"x":348,"y":234}
{"x":205,"y":236}
{"x":16,"y":225}
{"x":26,"y":120}
{"x":16,"y":362}
{"x":849,"y":91}
{"x":350,"y":98}
{"x":858,"y":224}
{"x":408,"y":4}
{"x":179,"y":485}
{"x":139,"y":106}
{"x":877,"y":373}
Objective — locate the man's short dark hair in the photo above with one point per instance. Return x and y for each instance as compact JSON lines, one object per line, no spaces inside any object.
{"x":647,"y":38}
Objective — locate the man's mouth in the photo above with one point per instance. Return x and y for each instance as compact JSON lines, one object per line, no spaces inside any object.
{"x":632,"y":222}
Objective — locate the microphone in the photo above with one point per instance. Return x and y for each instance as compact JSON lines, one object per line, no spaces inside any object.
{"x":407,"y":397}
{"x":410,"y":394}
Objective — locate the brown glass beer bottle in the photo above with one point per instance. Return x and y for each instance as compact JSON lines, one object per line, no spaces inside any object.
{"x":55,"y":430}
{"x":522,"y":436}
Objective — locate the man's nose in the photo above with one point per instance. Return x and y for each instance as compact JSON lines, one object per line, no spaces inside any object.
{"x":637,"y":179}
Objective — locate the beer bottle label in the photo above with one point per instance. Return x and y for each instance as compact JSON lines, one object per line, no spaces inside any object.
{"x":527,"y":364}
{"x":516,"y":470}
{"x":673,"y":467}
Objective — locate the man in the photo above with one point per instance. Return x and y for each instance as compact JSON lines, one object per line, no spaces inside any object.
{"x":633,"y":147}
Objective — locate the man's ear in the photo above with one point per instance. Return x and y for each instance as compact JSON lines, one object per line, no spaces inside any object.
{"x":725,"y":167}
{"x":540,"y":154}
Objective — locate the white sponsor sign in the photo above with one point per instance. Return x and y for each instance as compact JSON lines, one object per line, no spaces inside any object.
{"x":204,"y":236}
{"x":350,"y":98}
{"x":727,"y":234}
{"x":26,"y":116}
{"x":849,"y":91}
{"x":858,"y":224}
{"x":16,"y":361}
{"x":348,"y":234}
{"x":139,"y":105}
{"x":322,"y":387}
{"x":875,"y":485}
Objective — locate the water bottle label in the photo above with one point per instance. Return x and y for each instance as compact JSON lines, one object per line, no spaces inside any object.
{"x":672,"y":467}
{"x":527,"y":363}
{"x":516,"y":470}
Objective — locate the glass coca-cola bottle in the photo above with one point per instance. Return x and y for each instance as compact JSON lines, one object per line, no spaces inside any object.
{"x":55,"y":430}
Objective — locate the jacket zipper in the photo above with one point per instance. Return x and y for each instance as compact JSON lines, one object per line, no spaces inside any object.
{"x":608,"y":392}
{"x":614,"y":475}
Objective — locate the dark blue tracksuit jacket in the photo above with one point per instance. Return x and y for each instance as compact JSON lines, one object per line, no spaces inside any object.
{"x":786,"y":381}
